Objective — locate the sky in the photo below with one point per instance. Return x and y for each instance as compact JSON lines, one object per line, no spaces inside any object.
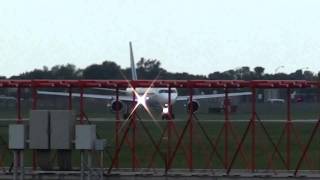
{"x":198,"y":36}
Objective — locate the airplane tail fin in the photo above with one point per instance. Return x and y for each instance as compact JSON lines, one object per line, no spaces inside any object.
{"x":133,"y":67}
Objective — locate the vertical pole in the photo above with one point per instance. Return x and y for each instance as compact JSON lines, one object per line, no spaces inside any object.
{"x":19,"y":121}
{"x":101,"y":165}
{"x":21,"y":165}
{"x":226,"y":129}
{"x":81,"y":106}
{"x":190,"y":130}
{"x":15,"y":165}
{"x":81,"y":122}
{"x":253,"y":131}
{"x":288,"y":128}
{"x":34,"y":107}
{"x":70,"y":99}
{"x":34,"y":98}
{"x":82,"y":165}
{"x":133,"y":133}
{"x":89,"y":164}
{"x":169,"y":127}
{"x":117,"y":126}
{"x":19,"y":105}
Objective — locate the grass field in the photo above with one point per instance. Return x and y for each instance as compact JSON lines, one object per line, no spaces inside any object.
{"x":201,"y":146}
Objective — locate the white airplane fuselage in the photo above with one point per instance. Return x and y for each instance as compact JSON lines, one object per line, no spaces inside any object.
{"x":155,"y":95}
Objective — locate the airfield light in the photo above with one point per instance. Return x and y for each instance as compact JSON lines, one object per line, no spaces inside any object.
{"x":141,"y":100}
{"x":165,"y":110}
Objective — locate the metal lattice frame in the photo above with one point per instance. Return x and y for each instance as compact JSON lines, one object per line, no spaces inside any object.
{"x":226,"y":132}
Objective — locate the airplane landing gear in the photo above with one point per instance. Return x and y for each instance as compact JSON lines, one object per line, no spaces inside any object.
{"x":167,"y":116}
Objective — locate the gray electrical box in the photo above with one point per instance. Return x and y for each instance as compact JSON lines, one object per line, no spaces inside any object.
{"x":16,"y":136}
{"x":39,"y":129}
{"x":85,"y":137}
{"x":62,"y":129}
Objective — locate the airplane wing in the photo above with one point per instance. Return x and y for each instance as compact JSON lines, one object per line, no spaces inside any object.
{"x":96,"y":96}
{"x":112,"y":90}
{"x":7,"y":97}
{"x":210,"y":96}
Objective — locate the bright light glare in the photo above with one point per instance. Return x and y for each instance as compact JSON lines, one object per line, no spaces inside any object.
{"x":165,"y":110}
{"x":141,"y":100}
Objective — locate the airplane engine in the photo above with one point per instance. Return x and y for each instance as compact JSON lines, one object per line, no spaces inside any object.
{"x":194,"y":106}
{"x":117,"y":106}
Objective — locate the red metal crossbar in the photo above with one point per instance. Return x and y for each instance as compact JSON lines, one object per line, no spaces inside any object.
{"x":160,"y":83}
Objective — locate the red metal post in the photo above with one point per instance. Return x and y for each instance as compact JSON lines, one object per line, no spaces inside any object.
{"x":190,"y":130}
{"x":70,"y":99}
{"x":253,"y":131}
{"x":226,"y":129}
{"x":288,"y":129}
{"x":117,"y":126}
{"x":169,"y":119}
{"x":34,"y":107}
{"x":81,"y":106}
{"x":34,"y":98}
{"x":19,"y":120}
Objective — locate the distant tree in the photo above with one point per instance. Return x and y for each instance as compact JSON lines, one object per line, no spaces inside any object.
{"x":148,"y":64}
{"x":226,"y":75}
{"x":149,"y":68}
{"x":243,"y":73}
{"x":107,"y":70}
{"x":64,"y":71}
{"x":278,"y":76}
{"x":215,"y":75}
{"x":259,"y":71}
{"x":297,"y":75}
{"x":35,"y":74}
{"x":308,"y":75}
{"x":229,"y":75}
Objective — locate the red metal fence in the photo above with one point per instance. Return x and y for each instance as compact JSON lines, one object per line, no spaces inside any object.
{"x":176,"y":138}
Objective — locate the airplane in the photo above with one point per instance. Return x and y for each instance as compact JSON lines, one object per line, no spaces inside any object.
{"x":148,"y":96}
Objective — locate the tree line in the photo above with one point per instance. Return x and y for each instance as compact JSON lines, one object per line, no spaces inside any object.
{"x":151,"y":69}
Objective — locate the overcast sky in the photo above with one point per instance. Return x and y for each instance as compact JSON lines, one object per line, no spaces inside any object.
{"x":199,"y":36}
